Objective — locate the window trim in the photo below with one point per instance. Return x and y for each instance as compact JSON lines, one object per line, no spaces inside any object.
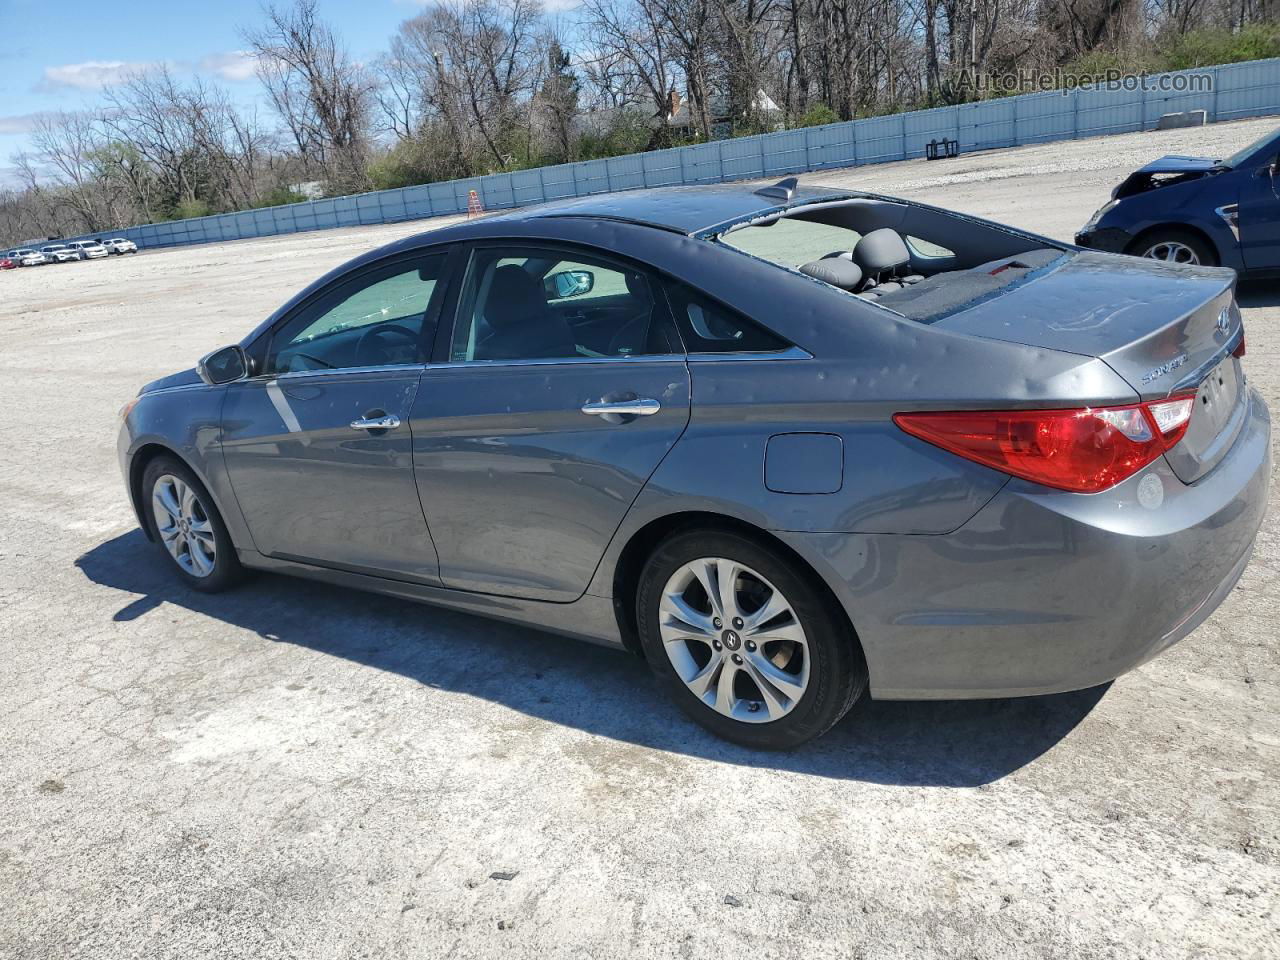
{"x":465,"y":256}
{"x":668,"y":291}
{"x":259,"y":349}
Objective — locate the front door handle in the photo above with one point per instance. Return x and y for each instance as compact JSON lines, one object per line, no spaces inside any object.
{"x":640,"y":407}
{"x":389,"y":422}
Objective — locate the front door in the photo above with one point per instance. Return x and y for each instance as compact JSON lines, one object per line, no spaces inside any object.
{"x":319,"y":447}
{"x":565,"y":386}
{"x":1260,"y":218}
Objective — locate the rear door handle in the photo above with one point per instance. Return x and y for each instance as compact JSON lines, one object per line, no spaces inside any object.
{"x":641,"y":407}
{"x":389,"y":422}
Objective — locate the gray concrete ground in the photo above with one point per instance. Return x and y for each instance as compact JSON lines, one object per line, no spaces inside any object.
{"x":297,"y":771}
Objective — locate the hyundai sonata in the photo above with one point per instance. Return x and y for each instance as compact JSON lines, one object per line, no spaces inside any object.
{"x":789,"y":445}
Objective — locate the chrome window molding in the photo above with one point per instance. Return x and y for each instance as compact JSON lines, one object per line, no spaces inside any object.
{"x":548,"y":361}
{"x":791,"y":353}
{"x":334,"y":371}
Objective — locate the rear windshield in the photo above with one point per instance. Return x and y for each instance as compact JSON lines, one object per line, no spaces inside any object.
{"x":791,"y":242}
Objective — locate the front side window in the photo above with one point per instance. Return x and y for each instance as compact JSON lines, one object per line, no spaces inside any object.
{"x":544,"y":304}
{"x":379,"y":318}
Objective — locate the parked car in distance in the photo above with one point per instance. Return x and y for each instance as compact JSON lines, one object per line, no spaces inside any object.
{"x":30,"y":258}
{"x":1198,"y":210}
{"x":789,"y":445}
{"x":8,"y":261}
{"x":59,"y":253}
{"x":88,"y":249}
{"x":120,"y":245}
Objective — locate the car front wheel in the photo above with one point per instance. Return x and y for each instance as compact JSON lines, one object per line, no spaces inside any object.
{"x":188,"y":526}
{"x":1175,"y":246}
{"x":744,"y":642}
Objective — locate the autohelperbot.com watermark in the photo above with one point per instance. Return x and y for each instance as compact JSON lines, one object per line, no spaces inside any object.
{"x":1043,"y":81}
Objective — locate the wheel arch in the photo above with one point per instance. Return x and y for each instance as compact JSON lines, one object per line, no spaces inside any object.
{"x":138,"y":461}
{"x":1176,"y":226}
{"x":641,"y":544}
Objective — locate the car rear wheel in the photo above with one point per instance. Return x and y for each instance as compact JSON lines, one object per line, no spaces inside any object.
{"x":188,"y":526}
{"x":1175,"y":246}
{"x":745,"y":643}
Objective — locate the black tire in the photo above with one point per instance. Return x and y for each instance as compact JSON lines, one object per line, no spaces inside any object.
{"x":1203,"y":251}
{"x":837,"y":673}
{"x":226,"y":571}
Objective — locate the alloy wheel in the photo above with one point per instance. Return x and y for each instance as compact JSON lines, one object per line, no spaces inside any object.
{"x":184,"y":525}
{"x":734,"y":640}
{"x":1171,"y":251}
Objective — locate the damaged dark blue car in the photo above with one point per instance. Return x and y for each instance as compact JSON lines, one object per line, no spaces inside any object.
{"x":1198,"y":210}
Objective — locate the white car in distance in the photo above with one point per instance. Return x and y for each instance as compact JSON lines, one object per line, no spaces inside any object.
{"x":88,"y":249}
{"x":120,"y":245}
{"x":59,"y":253}
{"x":28,"y":257}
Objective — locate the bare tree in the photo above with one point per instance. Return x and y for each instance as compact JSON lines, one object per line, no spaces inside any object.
{"x":636,"y":32}
{"x":321,"y":95}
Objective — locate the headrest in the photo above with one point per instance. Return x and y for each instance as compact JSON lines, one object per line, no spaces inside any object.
{"x":836,"y":271}
{"x":881,"y":250}
{"x":514,"y":296}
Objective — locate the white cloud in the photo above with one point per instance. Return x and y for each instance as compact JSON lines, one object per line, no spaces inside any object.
{"x":235,"y":66}
{"x":20,"y":123}
{"x":559,"y":6}
{"x":90,"y":75}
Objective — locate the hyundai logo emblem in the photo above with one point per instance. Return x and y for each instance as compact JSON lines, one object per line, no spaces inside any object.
{"x":1224,"y":320}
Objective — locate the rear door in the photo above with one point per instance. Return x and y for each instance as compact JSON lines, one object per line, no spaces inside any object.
{"x":318,"y":446}
{"x":537,"y":432}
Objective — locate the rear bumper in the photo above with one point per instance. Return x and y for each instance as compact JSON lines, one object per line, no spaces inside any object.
{"x":1043,"y":591}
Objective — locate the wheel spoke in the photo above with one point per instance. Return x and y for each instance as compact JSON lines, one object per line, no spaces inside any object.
{"x":765,"y":673}
{"x":775,"y":706}
{"x":707,"y":574}
{"x":704,"y":680}
{"x":167,"y":500}
{"x":724,"y":689}
{"x":681,"y":616}
{"x":727,"y":580}
{"x":173,"y":543}
{"x":773,"y":608}
{"x":791,"y":632}
{"x":201,"y":561}
{"x":188,"y":500}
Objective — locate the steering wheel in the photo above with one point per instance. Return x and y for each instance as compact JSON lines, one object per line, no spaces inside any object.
{"x":368,"y":338}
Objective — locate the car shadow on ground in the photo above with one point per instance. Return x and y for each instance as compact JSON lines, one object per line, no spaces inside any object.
{"x":1258,"y":293}
{"x":598,"y":690}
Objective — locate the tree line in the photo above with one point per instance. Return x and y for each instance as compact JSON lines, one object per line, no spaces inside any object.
{"x":469,"y":87}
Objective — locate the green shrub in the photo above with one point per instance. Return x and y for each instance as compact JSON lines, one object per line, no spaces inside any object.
{"x":817,"y":115}
{"x":1203,"y":48}
{"x":278,"y":197}
{"x":189,"y":209}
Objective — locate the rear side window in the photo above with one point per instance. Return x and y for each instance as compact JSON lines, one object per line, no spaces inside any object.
{"x":710,"y":327}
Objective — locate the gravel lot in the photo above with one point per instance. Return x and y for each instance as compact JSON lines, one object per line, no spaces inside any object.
{"x":295,"y":771}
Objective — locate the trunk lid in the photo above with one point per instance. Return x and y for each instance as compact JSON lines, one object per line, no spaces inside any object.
{"x":1164,"y":328}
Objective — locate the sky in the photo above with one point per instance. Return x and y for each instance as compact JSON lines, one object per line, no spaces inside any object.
{"x":57,"y":54}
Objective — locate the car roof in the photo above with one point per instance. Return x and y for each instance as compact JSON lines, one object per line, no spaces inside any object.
{"x":692,"y":211}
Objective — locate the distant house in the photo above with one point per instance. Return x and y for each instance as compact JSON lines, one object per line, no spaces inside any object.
{"x":311,"y":189}
{"x":682,"y":115}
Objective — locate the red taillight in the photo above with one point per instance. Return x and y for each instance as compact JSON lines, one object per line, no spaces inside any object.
{"x":1084,"y":450}
{"x":1239,"y":350}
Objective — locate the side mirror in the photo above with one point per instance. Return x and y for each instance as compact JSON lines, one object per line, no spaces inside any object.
{"x":224,"y":366}
{"x":569,"y":283}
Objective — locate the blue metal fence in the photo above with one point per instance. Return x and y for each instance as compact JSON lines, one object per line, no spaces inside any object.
{"x":1239,"y":90}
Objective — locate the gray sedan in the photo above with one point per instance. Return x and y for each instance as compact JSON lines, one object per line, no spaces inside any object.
{"x":790,"y":445}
